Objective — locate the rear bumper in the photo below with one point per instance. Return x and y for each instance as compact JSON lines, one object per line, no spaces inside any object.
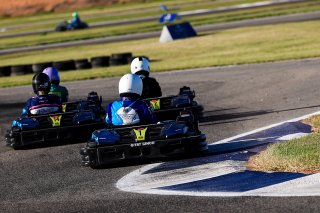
{"x":103,"y":155}
{"x":19,"y":139}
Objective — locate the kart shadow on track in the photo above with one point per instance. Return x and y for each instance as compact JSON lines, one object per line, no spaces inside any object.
{"x":145,"y":161}
{"x":212,"y":119}
{"x":241,"y":116}
{"x":49,"y":144}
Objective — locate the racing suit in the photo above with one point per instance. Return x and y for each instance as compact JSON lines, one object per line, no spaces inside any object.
{"x":42,"y":104}
{"x":128,"y":111}
{"x":151,"y":88}
{"x":75,"y":22}
{"x":60,"y":91}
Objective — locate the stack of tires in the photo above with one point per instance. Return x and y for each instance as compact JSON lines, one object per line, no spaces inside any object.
{"x":78,"y":64}
{"x":21,"y":69}
{"x":37,"y":68}
{"x":5,"y":71}
{"x":100,"y":61}
{"x":120,"y":59}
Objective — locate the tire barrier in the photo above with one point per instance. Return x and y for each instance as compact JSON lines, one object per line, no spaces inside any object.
{"x":120,"y":59}
{"x":36,"y":68}
{"x":82,"y":64}
{"x":94,"y":62}
{"x":5,"y":71}
{"x":21,"y":70}
{"x":100,"y":61}
{"x":64,"y":65}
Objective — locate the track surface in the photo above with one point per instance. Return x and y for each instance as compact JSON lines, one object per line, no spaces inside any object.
{"x":236,"y":99}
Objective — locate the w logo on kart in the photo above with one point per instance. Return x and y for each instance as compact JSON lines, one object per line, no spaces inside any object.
{"x":140,"y":134}
{"x":155,"y":104}
{"x":56,"y":120}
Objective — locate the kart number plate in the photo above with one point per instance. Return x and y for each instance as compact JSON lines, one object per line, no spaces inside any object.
{"x":143,"y":144}
{"x":140,"y":134}
{"x":56,"y":120}
{"x":155,"y":104}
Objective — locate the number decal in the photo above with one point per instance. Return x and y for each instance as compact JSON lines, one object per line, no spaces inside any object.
{"x":56,"y":120}
{"x":140,"y":134}
{"x":155,"y":104}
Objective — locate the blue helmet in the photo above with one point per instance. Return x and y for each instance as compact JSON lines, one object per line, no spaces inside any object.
{"x":53,"y":74}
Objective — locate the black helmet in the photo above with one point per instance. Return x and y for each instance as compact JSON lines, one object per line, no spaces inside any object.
{"x":41,"y":82}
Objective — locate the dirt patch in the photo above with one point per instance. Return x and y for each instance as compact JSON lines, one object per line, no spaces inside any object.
{"x":29,"y":7}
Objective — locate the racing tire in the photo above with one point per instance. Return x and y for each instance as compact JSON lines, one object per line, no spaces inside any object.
{"x":21,"y":70}
{"x":5,"y":71}
{"x":37,"y":68}
{"x":65,"y":65}
{"x":120,"y":59}
{"x":116,"y":62}
{"x":82,"y":64}
{"x":100,"y":61}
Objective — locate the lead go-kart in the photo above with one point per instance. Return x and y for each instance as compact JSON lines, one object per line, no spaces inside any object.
{"x":78,"y":120}
{"x":164,"y":139}
{"x":66,"y":26}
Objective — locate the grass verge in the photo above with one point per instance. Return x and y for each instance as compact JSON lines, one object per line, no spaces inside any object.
{"x":118,"y":11}
{"x":229,"y":47}
{"x":245,"y":14}
{"x":299,"y":155}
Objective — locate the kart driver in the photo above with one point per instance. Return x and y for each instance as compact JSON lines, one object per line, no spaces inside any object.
{"x":75,"y":22}
{"x":151,"y":88}
{"x":43,"y":103}
{"x":129,"y":109}
{"x":56,"y":89}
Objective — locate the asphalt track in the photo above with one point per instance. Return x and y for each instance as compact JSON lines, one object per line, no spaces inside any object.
{"x":199,"y":29}
{"x":236,"y":99}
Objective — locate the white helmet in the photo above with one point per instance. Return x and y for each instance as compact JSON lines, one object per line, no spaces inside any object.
{"x":140,"y":64}
{"x":130,"y":83}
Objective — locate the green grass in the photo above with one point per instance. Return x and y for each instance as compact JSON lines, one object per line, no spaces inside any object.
{"x":121,"y":11}
{"x":314,"y":121}
{"x":236,"y":46}
{"x":298,"y":155}
{"x":152,"y":26}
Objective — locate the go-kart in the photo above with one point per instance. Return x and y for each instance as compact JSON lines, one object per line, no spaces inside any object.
{"x":66,"y":26}
{"x":76,"y":123}
{"x":164,"y":139}
{"x":169,"y":107}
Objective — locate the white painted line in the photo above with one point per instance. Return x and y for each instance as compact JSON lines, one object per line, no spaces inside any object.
{"x":266,"y":127}
{"x":189,"y":177}
{"x":292,"y":136}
